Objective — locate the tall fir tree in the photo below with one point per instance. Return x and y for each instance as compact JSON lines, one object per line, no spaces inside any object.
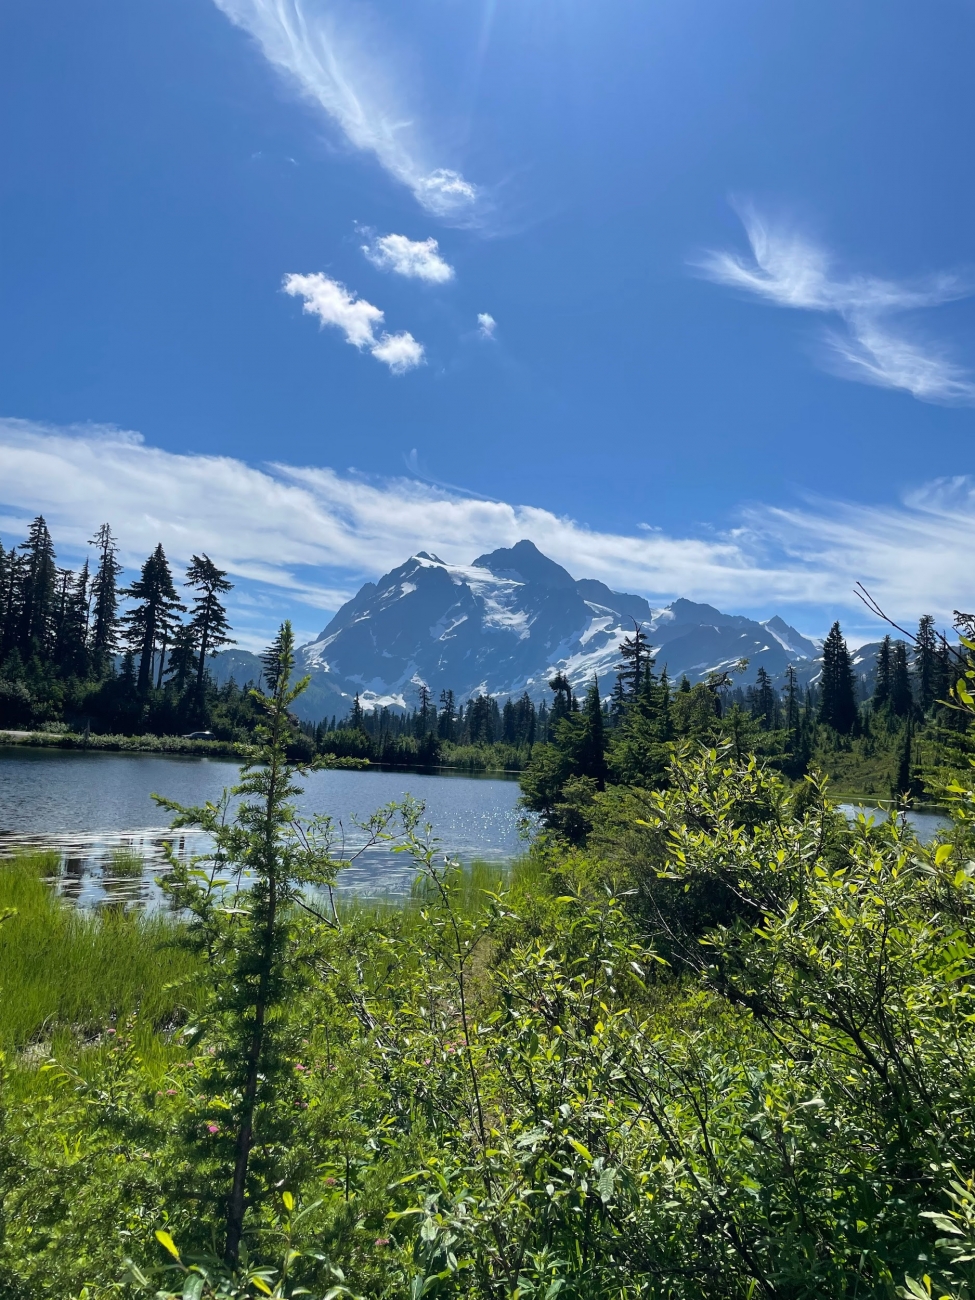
{"x":5,"y":583}
{"x":208,"y":620}
{"x":881,"y":690}
{"x":357,"y":713}
{"x":104,"y":624}
{"x":765,"y":701}
{"x":590,"y":747}
{"x":153,"y":620}
{"x":837,"y":699}
{"x":70,"y":649}
{"x":635,"y":653}
{"x":901,"y":697}
{"x":926,"y":665}
{"x":563,"y":704}
{"x":39,"y":592}
{"x":181,"y":664}
{"x":791,"y":700}
{"x":445,"y":721}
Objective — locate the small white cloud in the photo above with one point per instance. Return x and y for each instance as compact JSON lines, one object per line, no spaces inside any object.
{"x":333,"y":304}
{"x":486,"y":325}
{"x":418,"y":259}
{"x":401,"y":352}
{"x":789,"y":271}
{"x":445,"y":192}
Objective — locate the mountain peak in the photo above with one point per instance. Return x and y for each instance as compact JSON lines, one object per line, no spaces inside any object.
{"x":525,"y":563}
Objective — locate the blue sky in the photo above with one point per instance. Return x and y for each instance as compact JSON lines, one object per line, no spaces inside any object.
{"x":682,"y":291}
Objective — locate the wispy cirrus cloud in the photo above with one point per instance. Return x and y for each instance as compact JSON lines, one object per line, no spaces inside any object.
{"x":358,"y":320}
{"x":322,"y":56}
{"x":417,"y":259}
{"x":313,"y":535}
{"x":486,"y":325}
{"x":790,"y":271}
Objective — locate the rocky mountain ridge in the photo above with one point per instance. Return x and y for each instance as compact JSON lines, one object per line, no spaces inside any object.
{"x":504,"y":624}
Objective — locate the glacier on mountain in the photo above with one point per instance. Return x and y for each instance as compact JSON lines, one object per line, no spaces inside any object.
{"x":506,"y":623}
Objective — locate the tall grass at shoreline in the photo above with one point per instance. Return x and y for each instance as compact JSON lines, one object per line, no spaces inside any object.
{"x":68,"y":975}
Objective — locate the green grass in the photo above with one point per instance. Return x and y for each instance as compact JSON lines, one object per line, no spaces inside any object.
{"x":124,"y":862}
{"x":69,"y":975}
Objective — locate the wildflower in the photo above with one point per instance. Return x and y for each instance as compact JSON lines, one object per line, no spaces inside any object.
{"x":299,"y":1066}
{"x":170,"y":1092}
{"x":329,"y":1182}
{"x":382,"y":1241}
{"x":213,"y":1128}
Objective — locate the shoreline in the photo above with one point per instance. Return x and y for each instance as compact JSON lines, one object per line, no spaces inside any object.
{"x":179,"y":746}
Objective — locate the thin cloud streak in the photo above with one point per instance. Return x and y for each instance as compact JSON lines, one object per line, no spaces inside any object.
{"x":315,"y":535}
{"x":788,"y":270}
{"x":304,"y":41}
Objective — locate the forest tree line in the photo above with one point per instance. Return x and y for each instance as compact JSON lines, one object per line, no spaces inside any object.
{"x":79,"y":649}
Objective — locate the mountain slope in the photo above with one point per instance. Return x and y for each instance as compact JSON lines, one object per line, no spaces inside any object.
{"x":505,"y":623}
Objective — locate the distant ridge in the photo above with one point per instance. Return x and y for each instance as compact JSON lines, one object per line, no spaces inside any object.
{"x":503,"y":625}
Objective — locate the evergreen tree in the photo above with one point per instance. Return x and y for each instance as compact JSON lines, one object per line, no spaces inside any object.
{"x":907,"y":783}
{"x":563,"y":704}
{"x":765,"y":702}
{"x":70,"y":651}
{"x":791,"y":701}
{"x":881,"y":690}
{"x":926,"y":666}
{"x":590,"y":746}
{"x":509,"y":726}
{"x":39,"y":591}
{"x":426,"y":709}
{"x":901,"y":699}
{"x":617,"y":704}
{"x":445,"y":723}
{"x":153,"y":618}
{"x":181,"y":665}
{"x":208,"y":619}
{"x":357,"y":713}
{"x":837,"y":705}
{"x":104,"y":598}
{"x":635,"y":653}
{"x":5,"y":577}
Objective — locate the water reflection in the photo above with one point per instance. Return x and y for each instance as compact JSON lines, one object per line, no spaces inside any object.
{"x":106,"y":799}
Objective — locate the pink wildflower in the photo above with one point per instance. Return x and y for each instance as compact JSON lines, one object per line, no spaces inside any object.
{"x":382,"y":1241}
{"x":213,"y":1128}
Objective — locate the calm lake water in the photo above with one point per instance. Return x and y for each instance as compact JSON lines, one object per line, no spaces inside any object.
{"x":91,"y":806}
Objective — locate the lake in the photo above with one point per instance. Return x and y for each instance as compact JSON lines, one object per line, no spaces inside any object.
{"x":90,"y":806}
{"x":96,"y":810}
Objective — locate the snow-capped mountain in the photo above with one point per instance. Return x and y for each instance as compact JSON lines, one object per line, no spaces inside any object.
{"x":505,"y":623}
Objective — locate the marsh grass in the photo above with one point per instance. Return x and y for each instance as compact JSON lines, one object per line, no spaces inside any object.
{"x":69,"y":975}
{"x":124,"y":862}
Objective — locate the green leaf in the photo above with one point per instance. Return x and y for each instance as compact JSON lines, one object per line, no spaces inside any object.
{"x":164,"y":1239}
{"x":289,"y":1201}
{"x":583,"y":1151}
{"x":194,"y":1287}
